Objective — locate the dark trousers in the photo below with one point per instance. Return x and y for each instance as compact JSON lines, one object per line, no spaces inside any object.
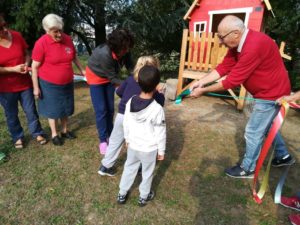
{"x":103,"y":96}
{"x":9,"y":102}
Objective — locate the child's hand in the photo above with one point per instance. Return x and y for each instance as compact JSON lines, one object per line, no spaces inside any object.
{"x":161,"y":88}
{"x":160,"y":157}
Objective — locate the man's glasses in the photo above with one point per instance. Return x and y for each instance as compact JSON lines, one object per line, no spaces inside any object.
{"x":224,"y":36}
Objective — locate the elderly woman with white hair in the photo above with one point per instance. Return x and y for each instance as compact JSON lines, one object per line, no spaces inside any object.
{"x":52,"y":76}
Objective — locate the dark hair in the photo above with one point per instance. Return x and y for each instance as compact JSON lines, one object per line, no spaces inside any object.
{"x":148,"y":78}
{"x":119,"y":40}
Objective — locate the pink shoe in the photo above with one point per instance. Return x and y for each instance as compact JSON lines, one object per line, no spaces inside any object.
{"x":292,"y":202}
{"x":295,"y":219}
{"x":102,"y":148}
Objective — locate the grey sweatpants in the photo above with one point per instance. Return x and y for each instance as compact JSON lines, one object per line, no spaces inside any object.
{"x":132,"y":164}
{"x":116,"y":140}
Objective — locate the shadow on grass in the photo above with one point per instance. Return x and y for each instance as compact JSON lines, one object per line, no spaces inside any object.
{"x":174,"y":145}
{"x":221,"y":199}
{"x":228,"y":114}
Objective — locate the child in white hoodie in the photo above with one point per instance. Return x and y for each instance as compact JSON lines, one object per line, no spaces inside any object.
{"x":145,"y":136}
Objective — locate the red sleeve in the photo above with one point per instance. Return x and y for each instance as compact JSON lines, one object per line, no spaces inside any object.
{"x":38,"y":52}
{"x":245,"y":66}
{"x":227,"y":64}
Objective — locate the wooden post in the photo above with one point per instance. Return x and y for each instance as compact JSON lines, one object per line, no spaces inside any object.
{"x":182,"y":60}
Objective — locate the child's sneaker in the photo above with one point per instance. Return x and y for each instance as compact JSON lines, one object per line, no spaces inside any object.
{"x":292,"y":202}
{"x":103,"y":171}
{"x":102,"y":148}
{"x":143,"y":201}
{"x":122,"y":198}
{"x":295,"y":219}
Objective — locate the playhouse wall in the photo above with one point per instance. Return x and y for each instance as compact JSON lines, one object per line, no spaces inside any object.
{"x":201,"y":13}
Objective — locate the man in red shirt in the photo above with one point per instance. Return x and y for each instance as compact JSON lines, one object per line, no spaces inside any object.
{"x":253,"y":60}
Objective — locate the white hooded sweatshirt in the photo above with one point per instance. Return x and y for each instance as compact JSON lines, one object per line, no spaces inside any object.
{"x":145,"y":130}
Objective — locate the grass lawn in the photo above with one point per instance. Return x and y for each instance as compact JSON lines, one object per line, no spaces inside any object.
{"x":60,"y":185}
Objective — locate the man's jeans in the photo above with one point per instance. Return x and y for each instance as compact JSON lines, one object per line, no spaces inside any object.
{"x":103,"y":101}
{"x":10,"y":101}
{"x":256,"y":130}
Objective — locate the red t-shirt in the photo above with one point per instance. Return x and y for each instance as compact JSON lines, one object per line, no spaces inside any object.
{"x":13,"y":56}
{"x":259,"y":67}
{"x":55,"y":58}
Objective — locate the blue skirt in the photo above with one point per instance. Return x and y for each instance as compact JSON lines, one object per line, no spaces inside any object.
{"x":57,"y":101}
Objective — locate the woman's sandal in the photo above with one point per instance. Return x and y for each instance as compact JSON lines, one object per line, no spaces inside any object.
{"x":41,"y":140}
{"x":19,"y":144}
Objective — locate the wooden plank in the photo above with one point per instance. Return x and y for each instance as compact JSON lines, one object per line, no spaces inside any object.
{"x":190,"y":49}
{"x":202,"y":50}
{"x":196,"y":75}
{"x":187,"y":15}
{"x":281,"y":50}
{"x":195,"y":52}
{"x":242,"y":96}
{"x":215,"y":50}
{"x":182,"y":60}
{"x":233,"y":95}
{"x":208,"y":51}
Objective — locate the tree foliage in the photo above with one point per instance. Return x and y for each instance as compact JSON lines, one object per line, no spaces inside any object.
{"x":286,"y":27}
{"x":157,"y":24}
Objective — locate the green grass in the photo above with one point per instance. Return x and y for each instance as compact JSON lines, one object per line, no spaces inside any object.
{"x":60,"y":185}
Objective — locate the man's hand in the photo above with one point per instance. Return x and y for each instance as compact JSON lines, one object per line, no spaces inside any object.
{"x":288,"y":99}
{"x":196,"y":92}
{"x":196,"y":85}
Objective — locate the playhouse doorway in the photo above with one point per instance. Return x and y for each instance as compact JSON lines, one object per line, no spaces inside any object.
{"x":216,"y":19}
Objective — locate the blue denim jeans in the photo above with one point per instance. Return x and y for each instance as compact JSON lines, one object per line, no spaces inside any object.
{"x":257,"y":127}
{"x":103,"y":97}
{"x":9,"y":102}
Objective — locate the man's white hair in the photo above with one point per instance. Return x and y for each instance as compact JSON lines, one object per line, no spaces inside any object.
{"x":52,"y":21}
{"x":234,"y":23}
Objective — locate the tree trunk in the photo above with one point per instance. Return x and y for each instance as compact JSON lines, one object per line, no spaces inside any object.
{"x":100,"y":33}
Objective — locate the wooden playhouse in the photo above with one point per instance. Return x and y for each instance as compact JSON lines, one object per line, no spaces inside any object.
{"x":201,"y":50}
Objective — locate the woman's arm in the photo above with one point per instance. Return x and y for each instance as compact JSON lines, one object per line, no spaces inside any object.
{"x":21,"y":68}
{"x":78,"y":64}
{"x":36,"y":89}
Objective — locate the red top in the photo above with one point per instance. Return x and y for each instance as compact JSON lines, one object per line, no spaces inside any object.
{"x":55,"y":58}
{"x":13,"y":56}
{"x":92,"y":78}
{"x":259,"y":67}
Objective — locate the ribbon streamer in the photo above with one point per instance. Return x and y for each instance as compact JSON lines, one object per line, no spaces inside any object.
{"x":278,"y":191}
{"x":277,"y":123}
{"x":178,"y":99}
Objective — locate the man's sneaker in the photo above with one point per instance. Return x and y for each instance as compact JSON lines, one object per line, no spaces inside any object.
{"x":292,"y":202}
{"x":295,"y":219}
{"x":143,"y":201}
{"x":103,"y":171}
{"x":285,"y":161}
{"x":121,"y":199}
{"x":238,"y":172}
{"x":102,"y":148}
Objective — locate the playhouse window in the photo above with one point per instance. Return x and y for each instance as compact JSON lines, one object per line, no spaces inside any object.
{"x":200,"y":27}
